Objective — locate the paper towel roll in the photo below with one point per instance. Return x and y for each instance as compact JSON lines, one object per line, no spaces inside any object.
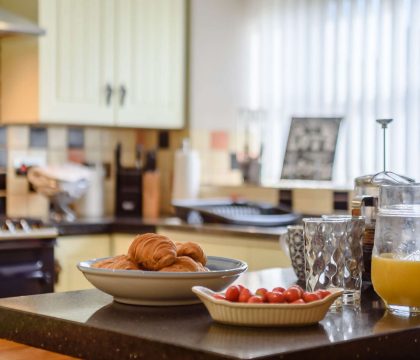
{"x":186,"y":183}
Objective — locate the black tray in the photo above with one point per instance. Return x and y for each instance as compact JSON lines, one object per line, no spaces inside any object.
{"x":226,"y":211}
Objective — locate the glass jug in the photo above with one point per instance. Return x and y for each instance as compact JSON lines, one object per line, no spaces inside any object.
{"x":365,"y":203}
{"x":396,"y":251}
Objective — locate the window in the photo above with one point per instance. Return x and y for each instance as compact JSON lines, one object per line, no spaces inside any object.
{"x":356,"y":59}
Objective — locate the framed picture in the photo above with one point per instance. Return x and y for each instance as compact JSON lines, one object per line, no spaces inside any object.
{"x":311,"y":148}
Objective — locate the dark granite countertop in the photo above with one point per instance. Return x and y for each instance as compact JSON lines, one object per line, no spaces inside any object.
{"x":136,"y":225}
{"x":88,"y":324}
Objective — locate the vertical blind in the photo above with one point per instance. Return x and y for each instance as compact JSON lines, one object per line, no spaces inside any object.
{"x":356,"y":59}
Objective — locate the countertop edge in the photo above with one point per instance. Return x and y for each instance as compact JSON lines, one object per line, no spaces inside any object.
{"x":69,"y":338}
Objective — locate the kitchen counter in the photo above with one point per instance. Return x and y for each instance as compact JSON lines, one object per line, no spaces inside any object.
{"x":137,"y":225}
{"x":88,"y":324}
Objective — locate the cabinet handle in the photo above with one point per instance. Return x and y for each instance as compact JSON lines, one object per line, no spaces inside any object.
{"x":109,"y":92}
{"x":123,"y":93}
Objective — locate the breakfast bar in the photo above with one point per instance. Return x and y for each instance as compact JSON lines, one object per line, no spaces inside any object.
{"x":89,"y":324}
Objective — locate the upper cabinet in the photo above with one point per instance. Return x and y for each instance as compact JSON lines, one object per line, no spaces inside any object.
{"x":76,"y":61}
{"x":110,"y":62}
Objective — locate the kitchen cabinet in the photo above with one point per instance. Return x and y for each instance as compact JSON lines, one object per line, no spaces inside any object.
{"x":111,"y":62}
{"x":257,"y":253}
{"x":121,"y":243}
{"x":101,"y":62}
{"x":70,"y":250}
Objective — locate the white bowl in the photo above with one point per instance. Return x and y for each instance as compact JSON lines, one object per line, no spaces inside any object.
{"x":139,"y":287}
{"x":234,"y":313}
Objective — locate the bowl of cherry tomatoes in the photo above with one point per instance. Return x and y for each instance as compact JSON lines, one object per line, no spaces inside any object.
{"x":279,"y":306}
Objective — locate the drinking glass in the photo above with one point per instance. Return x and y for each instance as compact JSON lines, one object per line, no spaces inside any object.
{"x":324,"y":253}
{"x":353,"y":256}
{"x":396,"y":251}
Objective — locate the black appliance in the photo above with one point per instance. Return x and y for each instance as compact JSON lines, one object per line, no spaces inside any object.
{"x":128,"y":187}
{"x":226,"y":211}
{"x":26,"y":257}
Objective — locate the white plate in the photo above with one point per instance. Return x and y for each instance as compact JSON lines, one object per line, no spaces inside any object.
{"x":139,"y":287}
{"x":234,"y":313}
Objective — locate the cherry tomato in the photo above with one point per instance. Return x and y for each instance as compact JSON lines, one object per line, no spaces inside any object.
{"x":232,"y":293}
{"x":219,"y":297}
{"x":298,"y":301}
{"x":309,"y":296}
{"x":323,"y":293}
{"x":292,"y":294}
{"x":279,"y":289}
{"x":301,"y":291}
{"x":244,"y":295}
{"x":275,"y":297}
{"x":261,"y":291}
{"x":255,"y":299}
{"x":240,"y":287}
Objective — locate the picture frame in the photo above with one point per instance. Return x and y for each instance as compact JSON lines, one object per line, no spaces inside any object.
{"x":311,"y":147}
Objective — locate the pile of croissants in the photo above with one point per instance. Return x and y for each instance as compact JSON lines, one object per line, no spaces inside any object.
{"x":156,"y":252}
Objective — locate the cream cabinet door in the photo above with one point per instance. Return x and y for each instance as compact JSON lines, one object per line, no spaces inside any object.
{"x":76,"y":61}
{"x":70,"y":250}
{"x":150,"y":63}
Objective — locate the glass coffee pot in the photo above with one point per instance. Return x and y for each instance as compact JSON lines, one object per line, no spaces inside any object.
{"x":396,"y":251}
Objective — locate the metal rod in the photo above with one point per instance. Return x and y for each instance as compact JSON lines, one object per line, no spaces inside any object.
{"x":384,"y":124}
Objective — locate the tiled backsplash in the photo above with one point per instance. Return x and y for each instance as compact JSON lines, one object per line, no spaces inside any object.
{"x":218,"y":150}
{"x":54,"y":145}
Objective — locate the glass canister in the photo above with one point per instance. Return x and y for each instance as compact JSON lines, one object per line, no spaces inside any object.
{"x":365,"y":203}
{"x":396,"y":252}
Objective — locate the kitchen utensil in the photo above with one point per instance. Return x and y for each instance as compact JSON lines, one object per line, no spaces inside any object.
{"x":62,"y":184}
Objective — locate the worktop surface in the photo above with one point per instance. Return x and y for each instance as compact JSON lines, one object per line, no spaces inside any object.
{"x":138,"y":225}
{"x":88,"y":324}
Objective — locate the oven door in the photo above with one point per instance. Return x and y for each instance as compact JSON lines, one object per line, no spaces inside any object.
{"x":26,"y":267}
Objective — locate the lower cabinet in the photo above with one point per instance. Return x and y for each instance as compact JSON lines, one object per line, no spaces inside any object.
{"x":257,"y":253}
{"x":121,"y":243}
{"x":70,"y":250}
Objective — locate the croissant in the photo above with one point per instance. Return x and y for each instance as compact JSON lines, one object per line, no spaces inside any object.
{"x":152,"y":251}
{"x":104,"y":264}
{"x":182,"y":264}
{"x":193,"y":250}
{"x":120,"y":262}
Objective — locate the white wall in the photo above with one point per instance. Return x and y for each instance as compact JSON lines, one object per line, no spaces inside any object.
{"x":215,"y":63}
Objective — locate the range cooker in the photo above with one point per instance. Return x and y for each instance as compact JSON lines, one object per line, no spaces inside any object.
{"x":26,"y":257}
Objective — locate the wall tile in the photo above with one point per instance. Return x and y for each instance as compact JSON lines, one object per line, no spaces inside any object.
{"x":17,"y":185}
{"x":18,"y":137}
{"x":38,"y":137}
{"x":75,"y":138}
{"x":57,"y":157}
{"x":76,"y":155}
{"x":38,"y":206}
{"x":200,"y":140}
{"x":164,"y":139}
{"x":92,"y":139}
{"x":219,"y":140}
{"x":57,"y":137}
{"x":3,"y":136}
{"x":3,"y":158}
{"x":109,"y":139}
{"x":17,"y":205}
{"x":147,"y":138}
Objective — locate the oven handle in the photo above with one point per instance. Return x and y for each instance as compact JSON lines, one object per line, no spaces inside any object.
{"x":27,"y":271}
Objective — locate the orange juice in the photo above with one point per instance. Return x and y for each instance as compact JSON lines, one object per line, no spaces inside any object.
{"x":396,"y":281}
